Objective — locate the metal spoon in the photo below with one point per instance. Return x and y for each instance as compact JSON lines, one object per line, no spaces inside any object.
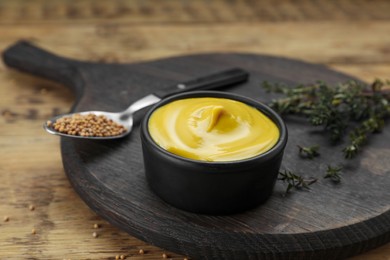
{"x":125,"y":118}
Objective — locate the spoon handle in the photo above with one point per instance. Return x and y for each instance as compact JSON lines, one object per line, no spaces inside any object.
{"x":221,"y":79}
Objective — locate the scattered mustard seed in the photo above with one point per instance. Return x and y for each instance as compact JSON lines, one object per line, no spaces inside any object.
{"x":89,"y":125}
{"x":33,"y":231}
{"x":164,"y":256}
{"x":6,"y":218}
{"x":6,"y":113}
{"x":117,"y":257}
{"x":43,"y":91}
{"x":95,"y":235}
{"x":122,"y":257}
{"x":141,"y":252}
{"x":96,"y":225}
{"x":31,"y":207}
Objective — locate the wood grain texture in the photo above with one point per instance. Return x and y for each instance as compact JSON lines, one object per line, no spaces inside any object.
{"x":30,"y":162}
{"x":200,"y":11}
{"x":144,"y":42}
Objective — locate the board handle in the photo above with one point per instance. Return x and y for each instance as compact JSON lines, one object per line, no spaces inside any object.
{"x":26,"y":57}
{"x":220,"y":79}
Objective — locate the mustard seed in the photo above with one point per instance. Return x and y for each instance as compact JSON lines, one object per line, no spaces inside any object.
{"x":6,"y":218}
{"x":117,"y":257}
{"x":33,"y":231}
{"x":6,"y":113}
{"x":122,"y":257}
{"x":31,"y":207}
{"x":164,"y":256}
{"x":96,"y":225}
{"x":95,"y":235}
{"x":87,"y":125}
{"x":141,"y":252}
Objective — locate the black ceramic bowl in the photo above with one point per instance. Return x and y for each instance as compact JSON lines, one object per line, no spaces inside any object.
{"x":212,"y":187}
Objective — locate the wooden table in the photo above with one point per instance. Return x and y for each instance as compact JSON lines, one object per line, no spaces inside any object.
{"x":43,"y":217}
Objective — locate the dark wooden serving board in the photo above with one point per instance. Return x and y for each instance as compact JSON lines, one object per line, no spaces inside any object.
{"x":331,"y":221}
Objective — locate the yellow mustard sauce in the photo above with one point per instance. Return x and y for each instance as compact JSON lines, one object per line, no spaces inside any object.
{"x":212,"y":129}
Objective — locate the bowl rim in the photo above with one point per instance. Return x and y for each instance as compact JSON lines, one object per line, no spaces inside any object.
{"x":269,"y":112}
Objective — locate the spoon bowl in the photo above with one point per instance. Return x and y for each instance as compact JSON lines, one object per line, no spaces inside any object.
{"x":128,"y":124}
{"x":124,"y":118}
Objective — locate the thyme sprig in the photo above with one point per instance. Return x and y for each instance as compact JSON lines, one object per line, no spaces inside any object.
{"x":333,"y":173}
{"x":351,"y":108}
{"x":295,"y":181}
{"x":309,"y":151}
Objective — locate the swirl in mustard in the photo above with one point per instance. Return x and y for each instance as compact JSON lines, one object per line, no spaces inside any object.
{"x":212,"y":129}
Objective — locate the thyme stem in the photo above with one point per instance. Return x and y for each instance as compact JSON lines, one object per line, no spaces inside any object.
{"x":348,"y":109}
{"x":294,"y":180}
